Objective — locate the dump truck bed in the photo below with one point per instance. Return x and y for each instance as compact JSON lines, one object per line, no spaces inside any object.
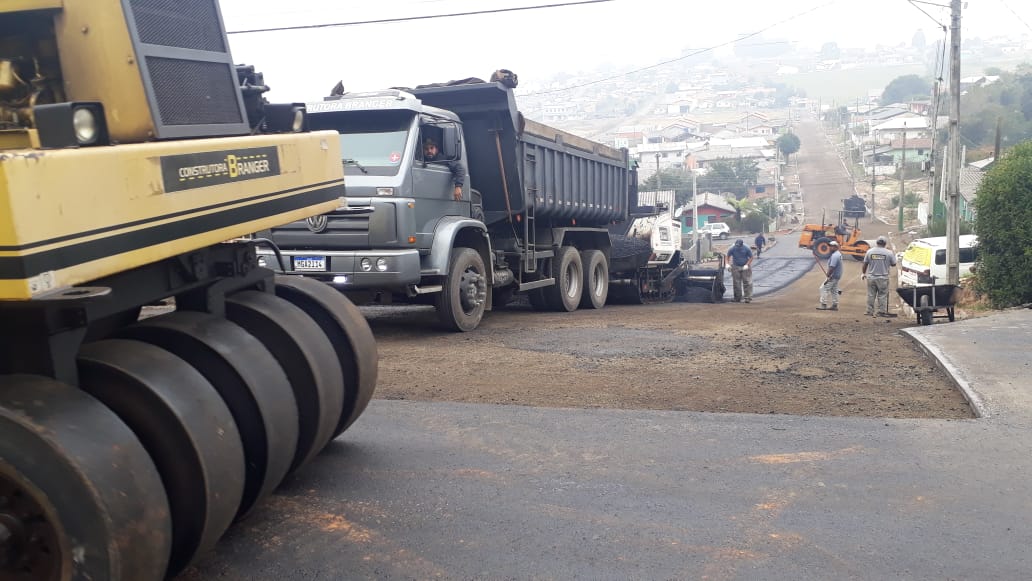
{"x":518,"y":164}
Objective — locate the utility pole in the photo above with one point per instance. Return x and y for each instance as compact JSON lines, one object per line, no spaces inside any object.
{"x":874,"y":212}
{"x":777,"y":182}
{"x":659,"y":176}
{"x":695,"y":219}
{"x":953,"y":193}
{"x":902,"y":177}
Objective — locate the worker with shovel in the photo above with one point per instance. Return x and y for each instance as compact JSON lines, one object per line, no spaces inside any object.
{"x":830,"y":290}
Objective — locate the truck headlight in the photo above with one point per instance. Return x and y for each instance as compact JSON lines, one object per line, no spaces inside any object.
{"x":384,"y":191}
{"x":366,"y":264}
{"x":381,"y":264}
{"x":72,"y":124}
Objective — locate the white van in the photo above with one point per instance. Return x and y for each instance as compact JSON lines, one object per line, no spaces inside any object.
{"x":925,"y":259}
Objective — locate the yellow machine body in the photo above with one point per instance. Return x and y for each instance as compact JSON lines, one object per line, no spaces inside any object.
{"x":70,"y":216}
{"x":179,"y":169}
{"x":154,"y":69}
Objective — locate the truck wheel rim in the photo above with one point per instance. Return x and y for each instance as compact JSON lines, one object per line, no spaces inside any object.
{"x":473,"y":291}
{"x":571,"y":281}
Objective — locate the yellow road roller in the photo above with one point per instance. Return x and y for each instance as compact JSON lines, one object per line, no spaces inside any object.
{"x":136,"y":159}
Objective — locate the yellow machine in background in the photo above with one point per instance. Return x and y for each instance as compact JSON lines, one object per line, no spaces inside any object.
{"x":817,"y":237}
{"x":131,"y":148}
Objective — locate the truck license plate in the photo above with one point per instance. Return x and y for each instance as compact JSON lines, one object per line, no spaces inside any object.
{"x":310,"y":263}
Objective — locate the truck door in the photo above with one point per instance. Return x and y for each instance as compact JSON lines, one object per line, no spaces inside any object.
{"x":433,"y":177}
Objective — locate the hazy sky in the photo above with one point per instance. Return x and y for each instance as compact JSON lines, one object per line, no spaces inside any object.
{"x":304,"y":65}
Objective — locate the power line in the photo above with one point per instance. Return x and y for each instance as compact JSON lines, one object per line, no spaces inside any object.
{"x":681,"y":58}
{"x":914,"y":4}
{"x":411,"y":18}
{"x":1020,"y":19}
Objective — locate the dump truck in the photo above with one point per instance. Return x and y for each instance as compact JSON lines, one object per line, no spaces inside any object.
{"x":854,"y":207}
{"x":136,"y":161}
{"x":531,"y":217}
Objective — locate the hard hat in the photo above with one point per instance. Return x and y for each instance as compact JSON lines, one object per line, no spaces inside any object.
{"x":833,"y":243}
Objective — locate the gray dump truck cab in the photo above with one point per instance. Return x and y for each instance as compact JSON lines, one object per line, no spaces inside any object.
{"x":532,"y":216}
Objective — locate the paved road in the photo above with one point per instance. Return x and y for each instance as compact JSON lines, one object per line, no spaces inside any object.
{"x":467,"y":491}
{"x":823,"y":181}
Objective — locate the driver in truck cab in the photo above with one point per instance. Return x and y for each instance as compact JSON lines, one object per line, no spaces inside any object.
{"x":431,"y":153}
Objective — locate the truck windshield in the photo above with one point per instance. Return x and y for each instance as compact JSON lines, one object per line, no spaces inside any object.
{"x":373,"y":141}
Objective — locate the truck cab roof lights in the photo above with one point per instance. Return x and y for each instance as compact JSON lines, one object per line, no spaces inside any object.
{"x":391,"y":93}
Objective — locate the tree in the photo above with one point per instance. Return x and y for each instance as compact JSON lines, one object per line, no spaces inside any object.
{"x":1004,"y":211}
{"x":788,"y":144}
{"x":730,"y":175}
{"x":1006,"y":102}
{"x":902,"y":88}
{"x":676,"y":179}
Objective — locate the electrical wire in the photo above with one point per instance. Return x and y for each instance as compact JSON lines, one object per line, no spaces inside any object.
{"x":914,"y":4}
{"x":687,"y":56}
{"x":1020,"y":19}
{"x":411,"y":18}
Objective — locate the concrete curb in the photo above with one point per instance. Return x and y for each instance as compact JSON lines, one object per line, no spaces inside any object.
{"x":978,"y":405}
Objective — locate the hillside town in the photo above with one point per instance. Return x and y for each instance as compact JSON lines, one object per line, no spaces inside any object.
{"x":683,"y":121}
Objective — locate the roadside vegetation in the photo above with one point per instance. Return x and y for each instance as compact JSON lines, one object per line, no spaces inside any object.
{"x":1004,"y":204}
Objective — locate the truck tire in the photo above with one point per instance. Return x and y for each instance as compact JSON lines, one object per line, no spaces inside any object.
{"x":596,"y":279}
{"x":460,"y":305}
{"x":565,"y":294}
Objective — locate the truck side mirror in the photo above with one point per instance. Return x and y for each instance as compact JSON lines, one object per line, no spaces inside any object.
{"x":451,"y":144}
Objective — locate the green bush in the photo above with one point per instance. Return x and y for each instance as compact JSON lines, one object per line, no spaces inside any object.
{"x":937,"y":227}
{"x":1004,"y":206}
{"x":754,"y":222}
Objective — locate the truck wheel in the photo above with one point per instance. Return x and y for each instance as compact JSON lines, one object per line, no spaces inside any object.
{"x":565,"y":294}
{"x":596,"y":279}
{"x":722,"y":236}
{"x":461,"y":304}
{"x":822,"y":248}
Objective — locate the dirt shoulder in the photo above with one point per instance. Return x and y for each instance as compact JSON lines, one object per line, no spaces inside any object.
{"x":775,"y":355}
